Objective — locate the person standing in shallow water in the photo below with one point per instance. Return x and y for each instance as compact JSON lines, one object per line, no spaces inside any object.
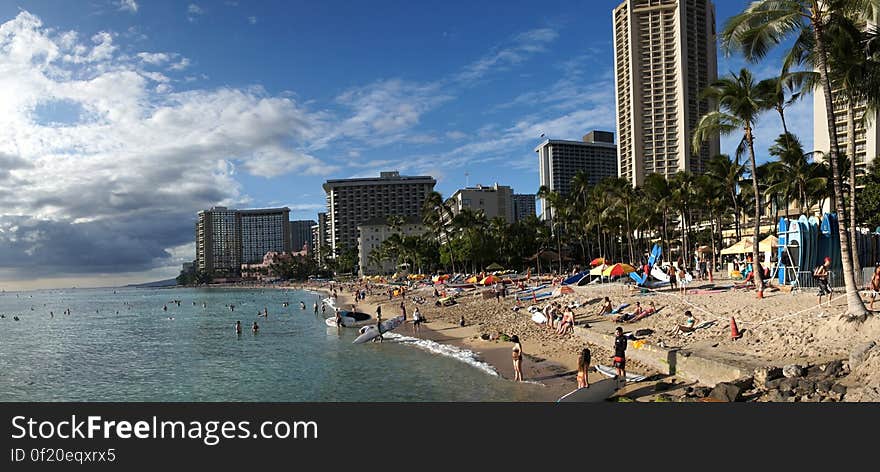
{"x":238,"y":327}
{"x":517,"y":354}
{"x":583,"y":367}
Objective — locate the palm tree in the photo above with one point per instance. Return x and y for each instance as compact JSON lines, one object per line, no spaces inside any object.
{"x":793,"y":174}
{"x":767,"y":23}
{"x":739,"y":104}
{"x":625,"y":198}
{"x":857,"y":75}
{"x":684,"y":192}
{"x":657,"y":190}
{"x":727,"y":174}
{"x":436,"y":215}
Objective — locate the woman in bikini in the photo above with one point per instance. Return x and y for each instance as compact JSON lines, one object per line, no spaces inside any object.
{"x":517,"y":358}
{"x":607,"y":308}
{"x":583,"y":367}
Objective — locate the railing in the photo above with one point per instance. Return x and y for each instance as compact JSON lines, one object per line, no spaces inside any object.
{"x":806,"y":280}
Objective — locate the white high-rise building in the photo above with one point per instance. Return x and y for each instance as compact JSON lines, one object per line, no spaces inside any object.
{"x":867,"y":132}
{"x":665,"y":56}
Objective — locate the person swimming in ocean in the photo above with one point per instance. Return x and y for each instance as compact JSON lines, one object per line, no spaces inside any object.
{"x":238,"y":327}
{"x":302,"y":306}
{"x":255,"y":327}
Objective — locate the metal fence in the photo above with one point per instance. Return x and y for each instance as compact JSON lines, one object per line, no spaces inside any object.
{"x":806,"y":280}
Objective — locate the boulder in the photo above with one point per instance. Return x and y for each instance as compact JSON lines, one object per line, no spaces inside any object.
{"x":788,"y":385}
{"x":860,"y":353}
{"x":775,"y":396}
{"x":744,"y":383}
{"x":823,"y":387}
{"x":805,"y":387}
{"x":793,"y":371}
{"x":701,"y":392}
{"x":832,"y":368}
{"x":774,"y":384}
{"x":763,"y":375}
{"x":726,"y":391}
{"x":662,"y":386}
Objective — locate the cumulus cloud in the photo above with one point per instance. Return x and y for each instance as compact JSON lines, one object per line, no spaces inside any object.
{"x":114,"y":187}
{"x":128,"y":5}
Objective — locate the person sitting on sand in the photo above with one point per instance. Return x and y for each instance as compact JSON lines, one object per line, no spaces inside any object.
{"x":461,"y":321}
{"x":583,"y":368}
{"x":607,"y":308}
{"x":566,"y":325}
{"x":628,"y":316}
{"x":688,"y":327}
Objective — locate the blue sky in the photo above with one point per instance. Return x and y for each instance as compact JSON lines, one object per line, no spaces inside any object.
{"x":126,"y":117}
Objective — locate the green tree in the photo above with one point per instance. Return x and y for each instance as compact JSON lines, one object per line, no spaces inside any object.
{"x":739,"y":103}
{"x":768,"y":23}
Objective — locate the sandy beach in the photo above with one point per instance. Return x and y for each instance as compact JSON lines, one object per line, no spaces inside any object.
{"x":782,"y":328}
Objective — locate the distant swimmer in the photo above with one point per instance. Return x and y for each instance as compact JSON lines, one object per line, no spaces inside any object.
{"x":232,"y":307}
{"x":165,"y":308}
{"x":266,"y":312}
{"x":171,"y":318}
{"x":238,"y":327}
{"x":15,"y":318}
{"x":51,"y":315}
{"x":2,"y":316}
{"x":255,"y":327}
{"x":302,"y":306}
{"x":204,"y":305}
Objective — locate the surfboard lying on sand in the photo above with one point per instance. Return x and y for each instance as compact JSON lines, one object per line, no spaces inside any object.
{"x":611,"y":372}
{"x":370,"y":332}
{"x":596,"y":392}
{"x":621,"y":307}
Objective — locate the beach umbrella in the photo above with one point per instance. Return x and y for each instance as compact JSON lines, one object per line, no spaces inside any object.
{"x":472,"y":279}
{"x":563,"y":290}
{"x":597,"y":271}
{"x":597,"y":261}
{"x":618,"y":269}
{"x":489,"y":280}
{"x":495,"y":266}
{"x":768,"y":243}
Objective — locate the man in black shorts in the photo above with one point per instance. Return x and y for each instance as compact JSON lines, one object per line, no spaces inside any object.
{"x":620,"y":353}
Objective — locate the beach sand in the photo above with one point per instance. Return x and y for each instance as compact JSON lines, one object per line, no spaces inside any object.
{"x":780,"y":328}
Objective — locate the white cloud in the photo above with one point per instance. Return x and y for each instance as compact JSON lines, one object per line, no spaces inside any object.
{"x":125,"y":172}
{"x":157,"y":58}
{"x":194,"y":9}
{"x":182,"y":64}
{"x":252,"y":20}
{"x":523,"y":46}
{"x":128,"y":5}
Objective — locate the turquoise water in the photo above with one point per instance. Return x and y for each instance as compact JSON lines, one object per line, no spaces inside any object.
{"x":119,"y":345}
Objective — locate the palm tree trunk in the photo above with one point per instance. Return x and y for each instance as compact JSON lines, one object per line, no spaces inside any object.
{"x":851,"y":152}
{"x":759,"y":279}
{"x":629,"y":239}
{"x":736,"y":216}
{"x":855,"y":306}
{"x":666,"y":233}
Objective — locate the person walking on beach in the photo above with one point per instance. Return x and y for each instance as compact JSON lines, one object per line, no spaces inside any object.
{"x":620,"y":353}
{"x":403,"y":310}
{"x":583,"y":367}
{"x":821,"y":275}
{"x":672,"y":276}
{"x":682,"y":280}
{"x":517,"y":358}
{"x":417,"y":320}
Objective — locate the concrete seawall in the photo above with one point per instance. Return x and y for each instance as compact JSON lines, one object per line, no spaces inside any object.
{"x":681,"y":363}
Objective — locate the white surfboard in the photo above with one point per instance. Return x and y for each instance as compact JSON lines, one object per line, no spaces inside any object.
{"x":347,"y":322}
{"x":371,"y":332}
{"x":596,"y":392}
{"x":611,"y":372}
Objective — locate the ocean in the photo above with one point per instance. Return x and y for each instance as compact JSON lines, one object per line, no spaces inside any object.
{"x":121,"y":345}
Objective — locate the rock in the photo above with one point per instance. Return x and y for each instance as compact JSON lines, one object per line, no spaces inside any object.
{"x":823,"y":387}
{"x":832,"y":368}
{"x":662,"y":386}
{"x":775,"y":396}
{"x":701,"y":392}
{"x":827,"y":400}
{"x":792,"y":371}
{"x":763,"y":375}
{"x":484,"y":336}
{"x":788,"y":385}
{"x":745,"y":383}
{"x":663,"y":398}
{"x":726,"y":391}
{"x":805,"y":387}
{"x":860,"y":353}
{"x":838,"y":389}
{"x":774,"y":384}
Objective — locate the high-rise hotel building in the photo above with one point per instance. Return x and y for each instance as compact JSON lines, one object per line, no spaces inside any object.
{"x":867,"y":132}
{"x":352,"y":202}
{"x":227,"y":238}
{"x":559,"y":161}
{"x":664,"y":57}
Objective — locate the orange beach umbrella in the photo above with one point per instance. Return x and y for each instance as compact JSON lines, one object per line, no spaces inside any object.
{"x":618,"y":269}
{"x":597,"y":261}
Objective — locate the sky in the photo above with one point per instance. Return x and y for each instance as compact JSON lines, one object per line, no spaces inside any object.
{"x":120,"y":119}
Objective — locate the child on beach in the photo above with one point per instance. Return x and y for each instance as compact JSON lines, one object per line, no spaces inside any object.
{"x":517,"y":353}
{"x":821,"y":276}
{"x":583,"y":367}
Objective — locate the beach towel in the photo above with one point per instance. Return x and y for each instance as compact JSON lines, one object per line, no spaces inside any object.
{"x":621,"y":307}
